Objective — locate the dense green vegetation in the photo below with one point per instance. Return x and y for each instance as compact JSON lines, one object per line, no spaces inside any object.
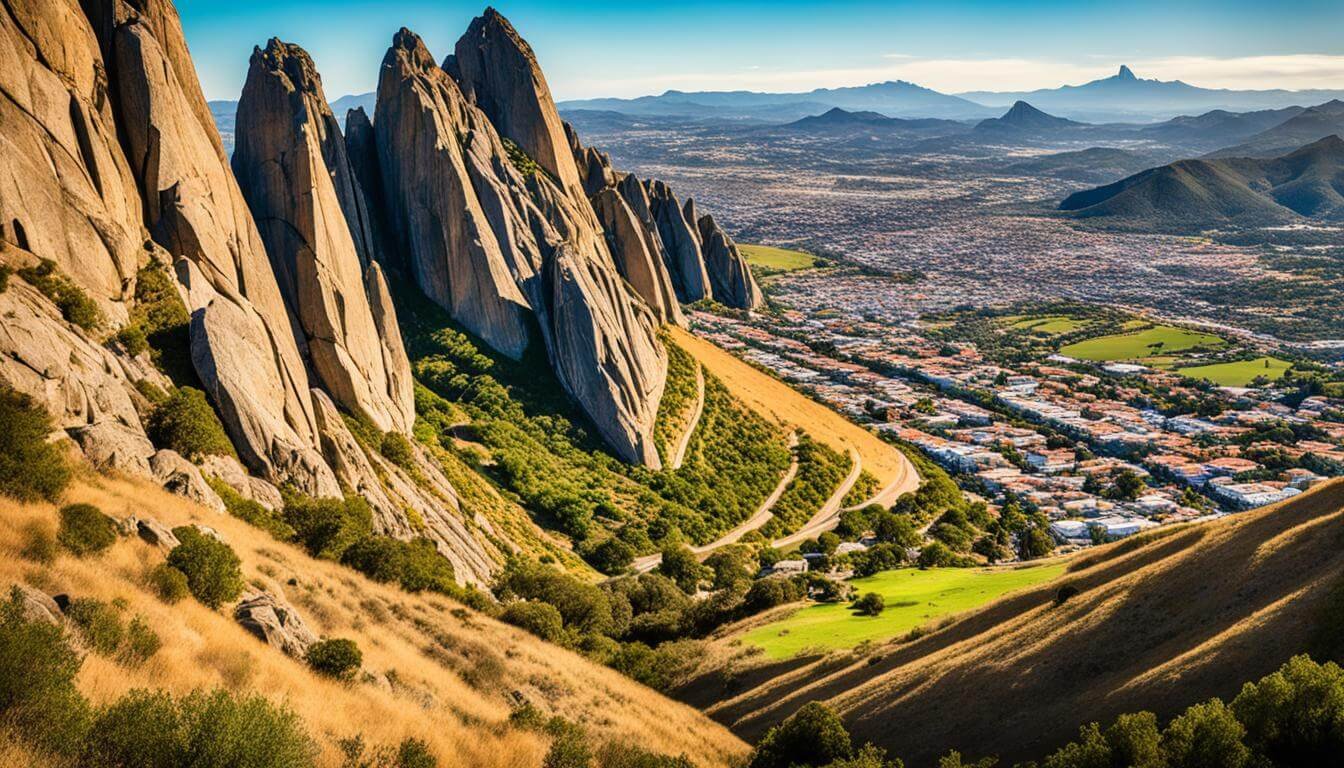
{"x":339,"y":658}
{"x":74,"y":304}
{"x":678,"y":398}
{"x":544,"y":453}
{"x":820,"y":471}
{"x":85,"y":530}
{"x":211,"y":567}
{"x":159,"y":323}
{"x":912,"y":598}
{"x":31,"y":469}
{"x":186,"y":423}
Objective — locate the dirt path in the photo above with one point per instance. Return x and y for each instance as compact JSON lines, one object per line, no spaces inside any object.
{"x":680,"y":456}
{"x":828,"y":516}
{"x":907,"y":480}
{"x":760,"y":518}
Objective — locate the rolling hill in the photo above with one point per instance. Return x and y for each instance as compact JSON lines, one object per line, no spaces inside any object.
{"x":1023,"y":118}
{"x":1308,"y":125}
{"x":1158,"y":623}
{"x":1190,"y":195}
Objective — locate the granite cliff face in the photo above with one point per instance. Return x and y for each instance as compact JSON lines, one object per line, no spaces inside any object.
{"x":291,"y":162}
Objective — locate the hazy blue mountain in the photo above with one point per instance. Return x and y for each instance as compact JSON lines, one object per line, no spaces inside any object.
{"x":892,"y":99}
{"x":1023,"y":118}
{"x":225,"y":113}
{"x":1126,"y":96}
{"x":837,"y":121}
{"x":352,"y":101}
{"x":1306,"y":126}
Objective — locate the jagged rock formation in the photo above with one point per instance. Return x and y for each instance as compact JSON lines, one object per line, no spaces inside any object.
{"x":501,"y":246}
{"x":729,"y":275}
{"x":291,"y":162}
{"x":681,"y":244}
{"x":638,"y":255}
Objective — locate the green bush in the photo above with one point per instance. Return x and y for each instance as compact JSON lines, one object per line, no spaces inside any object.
{"x":871,"y":604}
{"x":813,"y":735}
{"x":85,"y":530}
{"x":569,"y":745}
{"x":327,"y":527}
{"x":416,"y":565}
{"x":338,"y":658}
{"x":37,"y":679}
{"x":168,"y":583}
{"x":74,"y":304}
{"x":612,"y":556}
{"x":251,"y":512}
{"x":39,"y":545}
{"x":211,"y":566}
{"x":99,"y":623}
{"x":186,"y":423}
{"x":541,"y":619}
{"x":626,"y":754}
{"x":31,"y":469}
{"x":414,"y":753}
{"x":139,"y":644}
{"x":161,"y":319}
{"x":148,"y":729}
{"x":397,"y":449}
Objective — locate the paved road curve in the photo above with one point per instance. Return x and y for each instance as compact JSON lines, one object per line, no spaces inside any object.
{"x":680,"y":456}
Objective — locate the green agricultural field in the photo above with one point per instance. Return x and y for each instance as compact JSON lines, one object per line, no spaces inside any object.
{"x":1152,"y":342}
{"x":1052,"y":325}
{"x":772,"y":260}
{"x":913,"y":597}
{"x":1239,"y":374}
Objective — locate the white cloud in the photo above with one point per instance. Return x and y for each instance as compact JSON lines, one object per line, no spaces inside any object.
{"x":954,"y":75}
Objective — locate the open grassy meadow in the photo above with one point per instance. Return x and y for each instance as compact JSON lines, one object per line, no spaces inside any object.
{"x":1241,"y":373}
{"x":1050,"y":325}
{"x":771,"y":259}
{"x":1151,"y":342}
{"x":913,"y":597}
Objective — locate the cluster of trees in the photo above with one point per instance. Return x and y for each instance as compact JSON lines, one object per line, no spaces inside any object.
{"x":820,"y":470}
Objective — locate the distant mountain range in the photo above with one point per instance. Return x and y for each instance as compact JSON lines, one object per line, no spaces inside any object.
{"x":1191,"y":195}
{"x":1121,"y":97}
{"x":1303,"y":127}
{"x":1126,"y":96}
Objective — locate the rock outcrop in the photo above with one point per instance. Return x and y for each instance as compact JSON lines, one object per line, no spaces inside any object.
{"x":638,"y":255}
{"x":681,"y":244}
{"x":274,"y":622}
{"x":729,"y":274}
{"x":484,"y":231}
{"x":291,"y":162}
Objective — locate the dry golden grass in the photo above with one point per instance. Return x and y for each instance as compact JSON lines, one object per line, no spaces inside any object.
{"x":786,"y":406}
{"x":1179,"y":618}
{"x":454,"y":668}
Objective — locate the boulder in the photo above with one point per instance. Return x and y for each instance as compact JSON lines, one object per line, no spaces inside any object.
{"x":227,"y":470}
{"x":38,"y":605}
{"x":637,"y":256}
{"x":156,"y":533}
{"x":274,"y":622}
{"x":183,"y":478}
{"x":112,"y":445}
{"x":291,"y":163}
{"x":729,"y":273}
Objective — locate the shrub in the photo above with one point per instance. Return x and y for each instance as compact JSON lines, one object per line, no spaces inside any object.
{"x":680,"y":565}
{"x":569,"y":745}
{"x":139,"y":644}
{"x":84,"y":530}
{"x":1065,"y":592}
{"x":74,"y":304}
{"x":99,"y":623}
{"x":327,"y":527}
{"x":612,"y":556}
{"x":414,"y":753}
{"x":162,"y":320}
{"x":541,"y":619}
{"x":31,"y":469}
{"x":416,"y":565}
{"x":186,"y":423}
{"x":397,"y":449}
{"x":211,"y":566}
{"x":153,"y":730}
{"x":813,"y":735}
{"x":37,"y":678}
{"x":337,"y":658}
{"x":39,"y":545}
{"x":627,"y":754}
{"x":871,"y":604}
{"x":168,"y":583}
{"x":251,"y":512}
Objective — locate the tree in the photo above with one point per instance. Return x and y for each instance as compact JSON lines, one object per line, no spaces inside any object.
{"x":680,"y":565}
{"x":936,"y":554}
{"x":541,"y":619}
{"x":812,"y":736}
{"x":1295,"y":716}
{"x":1206,"y":736}
{"x":871,"y":604}
{"x":1128,"y":485}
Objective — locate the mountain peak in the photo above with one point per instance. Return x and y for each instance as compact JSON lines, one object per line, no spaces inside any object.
{"x":1125,"y":74}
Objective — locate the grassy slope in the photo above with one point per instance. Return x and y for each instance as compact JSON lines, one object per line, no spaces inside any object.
{"x":784,"y":405}
{"x":1240,"y":373}
{"x":1160,"y":623}
{"x":463,"y":663}
{"x":914,"y":598}
{"x":773,"y":259}
{"x":1133,"y":346}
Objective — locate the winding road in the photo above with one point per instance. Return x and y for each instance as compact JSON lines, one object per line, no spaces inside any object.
{"x":680,"y":456}
{"x":828,"y":516}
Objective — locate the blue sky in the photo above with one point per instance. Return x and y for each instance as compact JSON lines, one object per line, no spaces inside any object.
{"x":608,"y":48}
